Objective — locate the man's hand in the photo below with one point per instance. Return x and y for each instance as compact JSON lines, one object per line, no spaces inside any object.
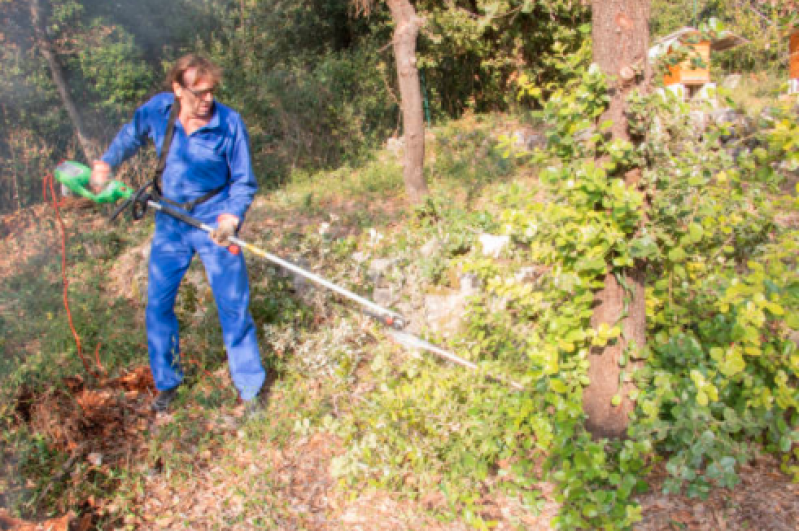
{"x":101,"y":172}
{"x":226,"y":227}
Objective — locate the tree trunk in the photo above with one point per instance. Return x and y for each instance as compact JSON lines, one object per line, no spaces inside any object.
{"x":620,"y":40}
{"x":406,"y":30}
{"x":46,"y":47}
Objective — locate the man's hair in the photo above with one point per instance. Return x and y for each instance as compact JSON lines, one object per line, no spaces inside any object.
{"x":205,"y":70}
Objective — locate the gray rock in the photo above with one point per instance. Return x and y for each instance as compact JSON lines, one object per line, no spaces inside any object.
{"x":584,"y":135}
{"x":528,"y":139}
{"x":699,"y":121}
{"x":493,"y":245}
{"x":378,"y":269}
{"x":384,"y":297}
{"x":444,"y":311}
{"x":732,"y":81}
{"x":431,"y":248}
{"x":469,"y":284}
{"x":529,"y":274}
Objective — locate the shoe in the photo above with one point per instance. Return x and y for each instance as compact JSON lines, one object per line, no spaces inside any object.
{"x":255,"y":407}
{"x":164,"y":398}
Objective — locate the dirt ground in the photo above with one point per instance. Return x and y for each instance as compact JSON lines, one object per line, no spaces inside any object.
{"x":105,"y":424}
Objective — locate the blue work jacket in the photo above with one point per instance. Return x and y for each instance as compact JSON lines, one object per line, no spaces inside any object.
{"x":214,"y":155}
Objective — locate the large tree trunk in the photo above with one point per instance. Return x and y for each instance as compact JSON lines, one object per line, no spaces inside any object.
{"x":46,"y":47}
{"x":620,"y":40}
{"x":406,"y":30}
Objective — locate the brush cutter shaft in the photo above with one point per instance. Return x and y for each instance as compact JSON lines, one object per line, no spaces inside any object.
{"x":385,"y":316}
{"x":414,"y":342}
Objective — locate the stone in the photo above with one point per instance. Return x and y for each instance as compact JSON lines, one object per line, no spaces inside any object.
{"x":528,"y":139}
{"x":430,"y":248}
{"x":529,"y":274}
{"x":395,"y":146}
{"x":444,"y":311}
{"x":584,"y":135}
{"x":469,"y":284}
{"x":732,"y":81}
{"x":493,"y":245}
{"x":384,"y":297}
{"x":378,"y":269}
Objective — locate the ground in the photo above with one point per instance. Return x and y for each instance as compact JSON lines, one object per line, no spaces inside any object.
{"x":217,"y":472}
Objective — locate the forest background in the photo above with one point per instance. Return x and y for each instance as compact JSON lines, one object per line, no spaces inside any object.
{"x":314,"y":80}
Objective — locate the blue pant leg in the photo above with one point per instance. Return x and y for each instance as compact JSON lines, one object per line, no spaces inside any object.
{"x":170,"y":257}
{"x":227,"y":274}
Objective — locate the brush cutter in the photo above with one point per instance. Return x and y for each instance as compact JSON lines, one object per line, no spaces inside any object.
{"x":77,"y":175}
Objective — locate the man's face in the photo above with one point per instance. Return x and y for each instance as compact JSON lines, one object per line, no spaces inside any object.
{"x":195,"y":95}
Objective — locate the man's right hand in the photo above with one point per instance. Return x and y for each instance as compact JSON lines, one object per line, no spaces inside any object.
{"x":101,"y":173}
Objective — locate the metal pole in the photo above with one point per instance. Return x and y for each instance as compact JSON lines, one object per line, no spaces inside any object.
{"x":388,"y":317}
{"x":392,"y":319}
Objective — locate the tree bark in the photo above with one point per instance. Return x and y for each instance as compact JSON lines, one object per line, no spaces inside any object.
{"x":46,"y":47}
{"x":406,"y":30}
{"x":621,"y":40}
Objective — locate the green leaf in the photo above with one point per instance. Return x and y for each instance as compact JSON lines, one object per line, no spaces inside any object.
{"x":695,"y":232}
{"x":701,"y":398}
{"x":558,"y":386}
{"x":677,"y":255}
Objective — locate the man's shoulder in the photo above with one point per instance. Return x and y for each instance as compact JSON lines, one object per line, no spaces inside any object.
{"x":227,"y":116}
{"x":160,"y":102}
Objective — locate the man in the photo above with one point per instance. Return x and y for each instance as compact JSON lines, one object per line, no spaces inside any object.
{"x":208,"y":163}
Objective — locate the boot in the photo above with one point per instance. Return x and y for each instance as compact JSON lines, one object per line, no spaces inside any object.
{"x":164,"y":398}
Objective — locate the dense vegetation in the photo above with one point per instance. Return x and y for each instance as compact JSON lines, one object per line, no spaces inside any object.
{"x":713,"y":220}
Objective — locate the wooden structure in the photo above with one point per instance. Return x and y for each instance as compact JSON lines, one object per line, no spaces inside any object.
{"x":686,"y":73}
{"x":794,"y":57}
{"x":687,"y":78}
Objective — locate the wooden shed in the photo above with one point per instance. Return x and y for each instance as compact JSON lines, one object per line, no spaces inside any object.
{"x":794,"y":57}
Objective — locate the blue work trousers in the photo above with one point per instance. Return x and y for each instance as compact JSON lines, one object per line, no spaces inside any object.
{"x":173,"y":248}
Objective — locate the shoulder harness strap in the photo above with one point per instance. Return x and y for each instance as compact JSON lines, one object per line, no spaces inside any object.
{"x":159,"y":170}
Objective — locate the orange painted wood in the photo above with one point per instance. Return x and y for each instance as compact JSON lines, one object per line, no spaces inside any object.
{"x":794,"y":61}
{"x":686,"y":73}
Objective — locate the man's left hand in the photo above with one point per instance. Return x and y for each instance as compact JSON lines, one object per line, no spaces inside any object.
{"x":226,"y":227}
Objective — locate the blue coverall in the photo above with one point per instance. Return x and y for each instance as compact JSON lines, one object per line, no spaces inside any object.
{"x":214,"y":155}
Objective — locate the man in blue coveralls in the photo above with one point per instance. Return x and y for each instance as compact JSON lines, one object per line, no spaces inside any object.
{"x":208,"y":164}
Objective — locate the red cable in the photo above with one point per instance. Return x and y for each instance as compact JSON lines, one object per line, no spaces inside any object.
{"x":48,"y":181}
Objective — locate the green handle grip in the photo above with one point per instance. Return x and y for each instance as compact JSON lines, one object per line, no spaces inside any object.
{"x":75,"y":176}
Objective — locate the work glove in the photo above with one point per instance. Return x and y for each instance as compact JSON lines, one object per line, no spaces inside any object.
{"x":226,"y":227}
{"x":101,"y":172}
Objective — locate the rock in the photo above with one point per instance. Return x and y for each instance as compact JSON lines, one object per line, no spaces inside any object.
{"x":699,"y":121}
{"x":395,"y":146}
{"x":379,"y":268}
{"x":529,"y":274}
{"x":732,"y":81}
{"x":528,"y":139}
{"x":360,"y":257}
{"x":738,"y":123}
{"x":469,"y":284}
{"x":384,"y":297}
{"x":493,"y":245}
{"x":584,"y":135}
{"x":430,"y":248}
{"x":444,"y":311}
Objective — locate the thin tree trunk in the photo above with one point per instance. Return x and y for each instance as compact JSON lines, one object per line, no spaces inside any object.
{"x":620,"y":40}
{"x":46,"y":47}
{"x":406,"y":30}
